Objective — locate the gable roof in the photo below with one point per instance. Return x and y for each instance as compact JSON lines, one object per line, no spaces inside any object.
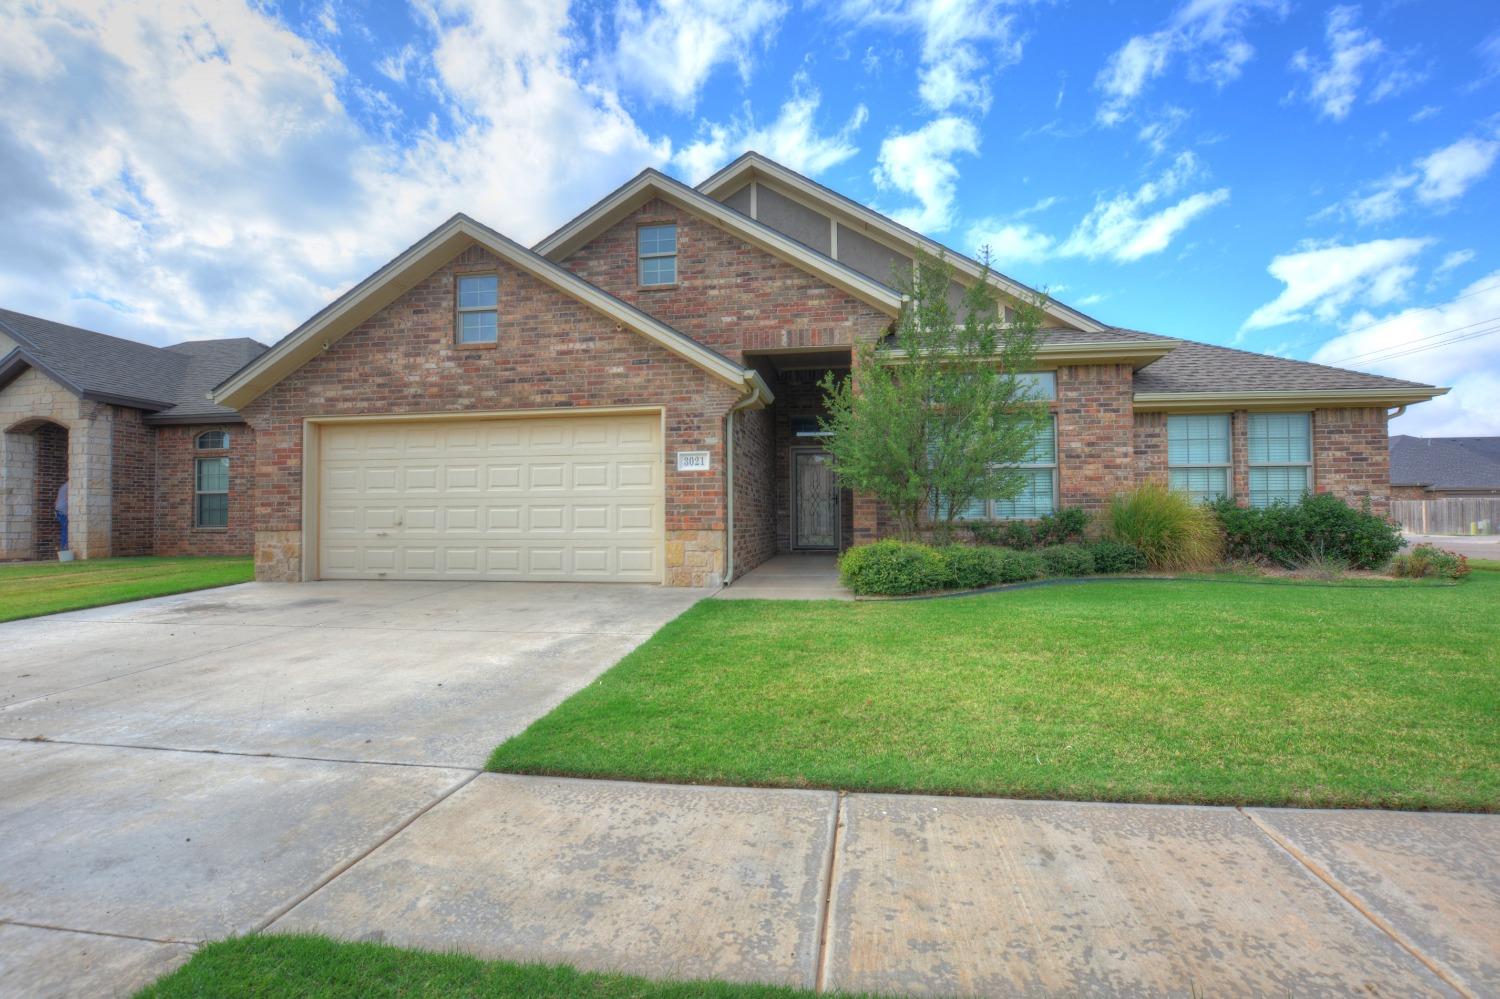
{"x":651,"y":183}
{"x":418,"y":261}
{"x":169,"y":382}
{"x":1445,"y":462}
{"x":752,"y":165}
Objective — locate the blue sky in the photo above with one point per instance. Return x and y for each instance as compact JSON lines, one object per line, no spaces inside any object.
{"x":1317,"y":180}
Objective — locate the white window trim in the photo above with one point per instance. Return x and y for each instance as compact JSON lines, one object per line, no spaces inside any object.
{"x":198,"y":444}
{"x":1252,"y":464}
{"x":198,"y":491}
{"x":460,"y":310}
{"x":641,"y":256}
{"x":1227,"y":465}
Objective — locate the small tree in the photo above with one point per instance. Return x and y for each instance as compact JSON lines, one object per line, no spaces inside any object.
{"x":935,"y":415}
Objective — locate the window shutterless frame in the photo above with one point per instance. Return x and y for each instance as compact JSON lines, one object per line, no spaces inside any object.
{"x":1198,"y":455}
{"x":656,"y":255}
{"x":211,"y":492}
{"x":1280,"y":457}
{"x":476,"y":307}
{"x":1038,"y":497}
{"x":211,"y":440}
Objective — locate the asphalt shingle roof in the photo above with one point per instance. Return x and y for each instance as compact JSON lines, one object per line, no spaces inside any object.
{"x":171,"y":382}
{"x":1445,"y":462}
{"x":1203,"y":367}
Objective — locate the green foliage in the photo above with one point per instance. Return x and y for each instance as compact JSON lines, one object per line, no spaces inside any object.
{"x":939,"y":414}
{"x":1429,"y":560}
{"x":970,"y":568}
{"x":1019,"y":566}
{"x":1116,"y":556}
{"x":1066,"y":526}
{"x":1167,"y":527}
{"x":892,"y":568}
{"x":1067,"y":560}
{"x":1321,"y":526}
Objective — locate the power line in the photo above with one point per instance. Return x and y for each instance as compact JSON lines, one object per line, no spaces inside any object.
{"x":1402,"y":350}
{"x":1430,"y":336}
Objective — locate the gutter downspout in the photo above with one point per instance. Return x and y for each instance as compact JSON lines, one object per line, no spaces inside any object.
{"x":744,"y":403}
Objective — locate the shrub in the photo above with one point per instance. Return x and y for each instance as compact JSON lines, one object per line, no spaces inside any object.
{"x":890,"y":568}
{"x":1427,"y":560}
{"x":1067,"y":560}
{"x":970,"y":568}
{"x":1168,"y":528}
{"x":1116,"y":556}
{"x":1321,"y":526}
{"x":1063,"y":527}
{"x":1019,"y":566}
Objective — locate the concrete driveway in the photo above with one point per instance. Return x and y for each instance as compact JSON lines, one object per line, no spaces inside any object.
{"x":180,"y":769}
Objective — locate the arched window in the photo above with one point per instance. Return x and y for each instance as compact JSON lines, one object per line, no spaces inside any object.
{"x":212,"y":440}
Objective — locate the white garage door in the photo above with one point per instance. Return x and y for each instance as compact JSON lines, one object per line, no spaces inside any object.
{"x":571,"y":498}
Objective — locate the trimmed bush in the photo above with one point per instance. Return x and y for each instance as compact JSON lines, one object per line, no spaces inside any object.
{"x":1067,"y":560}
{"x":1167,"y":527}
{"x":1116,"y":556}
{"x":1320,"y":527}
{"x":1063,"y":527}
{"x":970,"y":568}
{"x":890,"y":568}
{"x":1019,"y":566}
{"x":1428,"y":560}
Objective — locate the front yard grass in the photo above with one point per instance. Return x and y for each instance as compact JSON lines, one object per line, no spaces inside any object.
{"x":31,"y":589}
{"x":266,"y":967}
{"x":1215,"y":691}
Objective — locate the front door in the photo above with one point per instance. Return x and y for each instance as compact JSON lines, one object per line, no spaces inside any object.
{"x":815,"y":501}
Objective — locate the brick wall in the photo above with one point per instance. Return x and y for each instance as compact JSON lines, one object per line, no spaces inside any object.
{"x":1096,"y":452}
{"x":754,"y":493}
{"x":1352,"y":456}
{"x":176,"y":532}
{"x":51,"y":473}
{"x":729,"y":295}
{"x":1150,"y":447}
{"x":553,"y":353}
{"x":132,"y":484}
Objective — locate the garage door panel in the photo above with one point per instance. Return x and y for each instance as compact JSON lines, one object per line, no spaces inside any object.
{"x":579,"y":498}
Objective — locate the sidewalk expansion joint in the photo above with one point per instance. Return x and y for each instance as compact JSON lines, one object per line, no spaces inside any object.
{"x":820,"y":981}
{"x":1431,"y":964}
{"x":42,"y":740}
{"x":99,"y":933}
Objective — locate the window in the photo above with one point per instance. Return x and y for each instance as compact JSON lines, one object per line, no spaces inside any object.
{"x":1043,"y":384}
{"x":1198,"y":455}
{"x":212,"y":440}
{"x":807,"y":426}
{"x":478,"y":295}
{"x":1038,"y":495}
{"x":1280,"y":457}
{"x":211,"y":492}
{"x":657,"y":248}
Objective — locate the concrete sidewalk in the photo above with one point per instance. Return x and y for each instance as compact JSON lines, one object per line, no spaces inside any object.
{"x":934,"y":896}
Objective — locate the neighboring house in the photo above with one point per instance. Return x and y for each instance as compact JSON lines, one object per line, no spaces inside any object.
{"x":154,"y":467}
{"x":635,"y":398}
{"x":1444,"y":467}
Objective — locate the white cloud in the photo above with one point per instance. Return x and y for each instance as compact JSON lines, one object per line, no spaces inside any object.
{"x":920,"y":164}
{"x":1334,"y":82}
{"x":1321,"y":281}
{"x":1448,"y":172}
{"x":184,"y":177}
{"x":1155,"y":133}
{"x":1208,"y":34}
{"x":1424,"y":112}
{"x":792,"y":138}
{"x":963,"y":42}
{"x":1124,"y":227}
{"x":396,"y":65}
{"x":1453,"y":261}
{"x":1470,"y":365}
{"x":667,"y":49}
{"x":1436,"y":180}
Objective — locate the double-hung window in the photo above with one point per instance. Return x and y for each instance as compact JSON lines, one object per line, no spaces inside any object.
{"x":1038,"y":495}
{"x":211,"y":492}
{"x":1280,"y":457}
{"x":656,"y":248}
{"x":1198,"y":455}
{"x":478,"y":308}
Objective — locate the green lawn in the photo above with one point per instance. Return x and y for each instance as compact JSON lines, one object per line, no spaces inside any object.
{"x":308,"y":967}
{"x":1214,"y":691}
{"x":31,"y":589}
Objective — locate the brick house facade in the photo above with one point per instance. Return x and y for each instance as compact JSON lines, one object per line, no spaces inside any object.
{"x":771,"y":283}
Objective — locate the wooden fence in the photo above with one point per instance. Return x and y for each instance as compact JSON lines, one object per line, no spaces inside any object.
{"x":1453,"y":515}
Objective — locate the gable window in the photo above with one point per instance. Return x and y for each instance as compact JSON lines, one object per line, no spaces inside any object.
{"x":211,"y":492}
{"x":212,"y":440}
{"x":1280,"y":457}
{"x":478,"y":295}
{"x":1198,"y":455}
{"x":656,"y":247}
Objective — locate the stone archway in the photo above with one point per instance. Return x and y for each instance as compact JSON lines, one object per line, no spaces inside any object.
{"x":34,"y":462}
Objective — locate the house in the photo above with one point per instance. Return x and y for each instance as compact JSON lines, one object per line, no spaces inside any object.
{"x":635,"y":398}
{"x":1444,"y":467}
{"x":153,"y":466}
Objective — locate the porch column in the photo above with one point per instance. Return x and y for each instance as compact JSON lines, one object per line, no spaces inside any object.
{"x":17,"y":475}
{"x":89,"y":483}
